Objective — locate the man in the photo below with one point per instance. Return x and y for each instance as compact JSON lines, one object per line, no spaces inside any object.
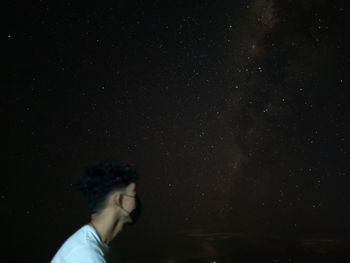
{"x":110,"y":191}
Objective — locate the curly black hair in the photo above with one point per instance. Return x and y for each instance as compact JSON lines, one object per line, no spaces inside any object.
{"x":102,"y":178}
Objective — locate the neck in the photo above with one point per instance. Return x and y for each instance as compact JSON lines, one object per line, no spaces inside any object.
{"x":106,"y":226}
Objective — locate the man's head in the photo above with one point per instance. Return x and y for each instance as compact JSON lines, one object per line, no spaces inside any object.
{"x":110,"y":186}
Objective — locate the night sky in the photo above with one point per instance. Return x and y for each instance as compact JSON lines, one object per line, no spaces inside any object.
{"x":235,"y":113}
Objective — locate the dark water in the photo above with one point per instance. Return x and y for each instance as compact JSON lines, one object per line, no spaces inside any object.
{"x":230,"y":247}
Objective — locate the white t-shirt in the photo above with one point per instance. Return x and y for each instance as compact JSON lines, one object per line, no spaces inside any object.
{"x":84,"y":246}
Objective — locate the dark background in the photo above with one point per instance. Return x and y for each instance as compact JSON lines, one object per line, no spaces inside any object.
{"x":235,"y":113}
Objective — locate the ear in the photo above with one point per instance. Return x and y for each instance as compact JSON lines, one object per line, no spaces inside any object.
{"x":117,"y":198}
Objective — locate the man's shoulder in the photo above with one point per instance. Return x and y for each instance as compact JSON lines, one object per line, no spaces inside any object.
{"x":80,"y":247}
{"x":85,"y":253}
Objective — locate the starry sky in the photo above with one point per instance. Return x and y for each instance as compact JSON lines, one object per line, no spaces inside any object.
{"x":234,"y":112}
